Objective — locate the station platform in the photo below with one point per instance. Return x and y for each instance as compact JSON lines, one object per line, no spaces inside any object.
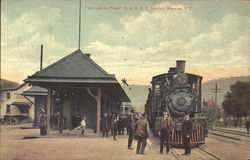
{"x":69,"y":145}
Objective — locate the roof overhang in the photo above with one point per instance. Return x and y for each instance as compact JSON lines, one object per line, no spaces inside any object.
{"x":21,"y":103}
{"x":32,"y":94}
{"x":109,"y":84}
{"x":69,"y":80}
{"x":35,"y":91}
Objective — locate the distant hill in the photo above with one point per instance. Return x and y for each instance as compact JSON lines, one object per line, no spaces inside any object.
{"x":139,"y":93}
{"x":223,"y":84}
{"x":6,"y":84}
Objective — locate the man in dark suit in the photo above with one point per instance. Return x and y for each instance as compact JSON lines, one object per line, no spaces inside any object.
{"x":121,"y":124}
{"x":105,"y":125}
{"x":187,"y":128}
{"x":114,"y":125}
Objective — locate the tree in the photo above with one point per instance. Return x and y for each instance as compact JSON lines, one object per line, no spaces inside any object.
{"x":237,"y":101}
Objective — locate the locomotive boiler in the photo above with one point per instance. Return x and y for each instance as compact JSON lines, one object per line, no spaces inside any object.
{"x":178,"y":93}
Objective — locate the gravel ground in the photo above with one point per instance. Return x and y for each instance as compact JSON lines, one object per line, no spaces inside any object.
{"x":69,"y":146}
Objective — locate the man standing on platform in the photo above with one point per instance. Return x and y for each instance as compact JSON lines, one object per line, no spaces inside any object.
{"x":105,"y":125}
{"x":187,"y":128}
{"x":130,"y":128}
{"x":165,"y":128}
{"x":115,"y":126}
{"x":141,"y":134}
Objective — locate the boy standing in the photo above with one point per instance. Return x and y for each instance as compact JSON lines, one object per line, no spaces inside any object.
{"x":83,"y":125}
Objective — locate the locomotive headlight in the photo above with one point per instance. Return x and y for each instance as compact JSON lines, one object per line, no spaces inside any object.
{"x":182,"y":79}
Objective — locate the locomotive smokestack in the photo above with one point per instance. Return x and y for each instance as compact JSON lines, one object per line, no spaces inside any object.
{"x":180,"y":65}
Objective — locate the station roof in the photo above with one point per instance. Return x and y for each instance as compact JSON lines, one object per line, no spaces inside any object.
{"x":76,"y":69}
{"x":35,"y":91}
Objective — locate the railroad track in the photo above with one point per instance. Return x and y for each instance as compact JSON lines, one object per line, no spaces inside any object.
{"x":175,"y":155}
{"x":232,"y":132}
{"x":225,"y":138}
{"x":209,"y":153}
{"x":201,"y":152}
{"x":231,"y":135}
{"x":199,"y":149}
{"x":155,"y":142}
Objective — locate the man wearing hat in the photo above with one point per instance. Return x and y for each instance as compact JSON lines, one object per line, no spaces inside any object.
{"x":187,"y":128}
{"x":42,"y":122}
{"x":141,"y":134}
{"x":165,"y":128}
{"x":130,"y":128}
{"x":105,"y":125}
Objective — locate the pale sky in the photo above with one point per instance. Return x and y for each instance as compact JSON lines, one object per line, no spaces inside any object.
{"x":133,"y":39}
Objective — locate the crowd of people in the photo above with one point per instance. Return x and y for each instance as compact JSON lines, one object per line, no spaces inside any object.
{"x":137,"y":128}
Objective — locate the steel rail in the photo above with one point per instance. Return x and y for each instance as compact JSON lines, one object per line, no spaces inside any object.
{"x":232,"y":132}
{"x":225,"y":136}
{"x":232,"y":142}
{"x":176,"y":156}
{"x":230,"y":137}
{"x":202,"y":149}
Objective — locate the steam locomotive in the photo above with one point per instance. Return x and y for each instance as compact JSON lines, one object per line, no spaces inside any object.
{"x":178,"y":93}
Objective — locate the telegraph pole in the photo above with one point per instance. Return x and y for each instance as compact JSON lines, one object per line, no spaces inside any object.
{"x":79,"y":40}
{"x":41,"y":58}
{"x":216,"y":90}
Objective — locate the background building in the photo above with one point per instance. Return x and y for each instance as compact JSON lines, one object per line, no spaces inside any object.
{"x":15,"y":106}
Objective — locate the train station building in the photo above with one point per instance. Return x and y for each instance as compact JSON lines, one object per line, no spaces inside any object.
{"x":77,"y":87}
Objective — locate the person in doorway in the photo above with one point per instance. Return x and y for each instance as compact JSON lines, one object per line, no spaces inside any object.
{"x":187,"y":128}
{"x":105,"y":125}
{"x":42,"y":122}
{"x":83,"y":125}
{"x":59,"y":122}
{"x":141,"y":134}
{"x":165,"y":128}
{"x":130,"y":128}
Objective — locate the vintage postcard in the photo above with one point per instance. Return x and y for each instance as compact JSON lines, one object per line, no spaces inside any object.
{"x":125,"y":80}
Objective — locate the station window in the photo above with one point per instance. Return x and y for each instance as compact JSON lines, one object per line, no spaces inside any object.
{"x":7,"y":108}
{"x":8,"y":95}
